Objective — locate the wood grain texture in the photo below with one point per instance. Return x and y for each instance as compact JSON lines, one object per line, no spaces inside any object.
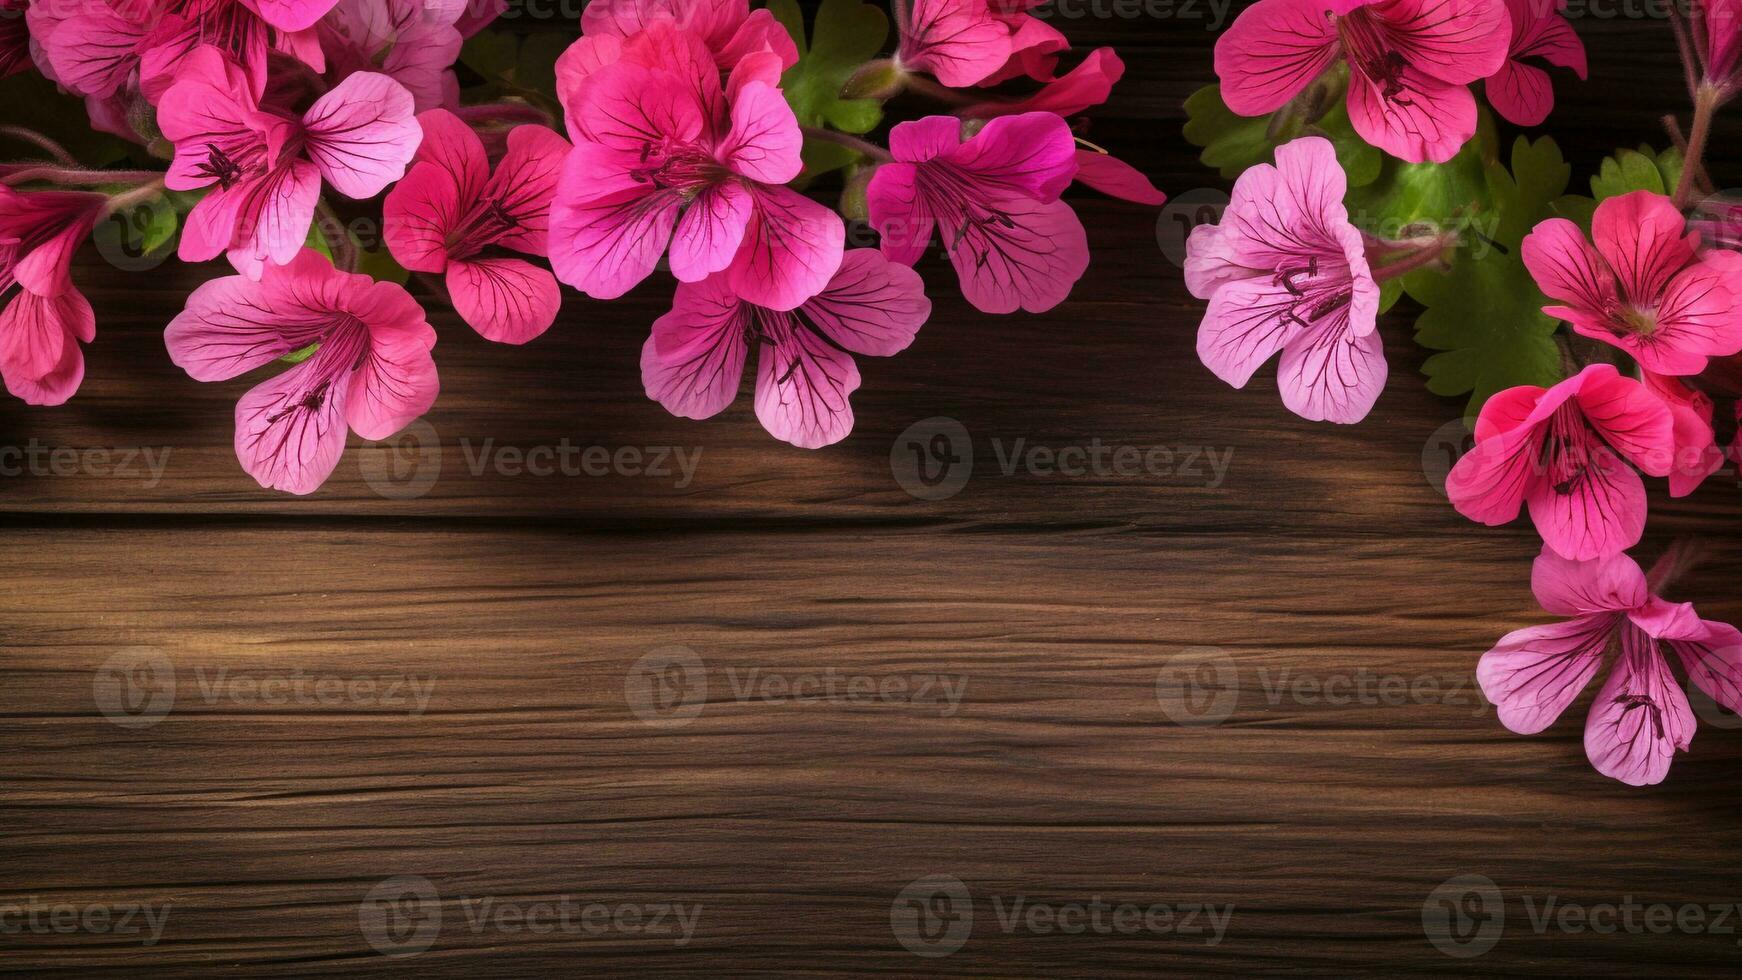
{"x":1010,"y":661}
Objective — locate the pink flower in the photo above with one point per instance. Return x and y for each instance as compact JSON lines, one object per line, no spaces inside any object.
{"x":994,"y":198}
{"x":1718,"y":43}
{"x":1410,"y":64}
{"x":1286,"y":271}
{"x":413,"y":42}
{"x":805,"y":373}
{"x":1521,"y":91}
{"x":1644,"y":288}
{"x":1562,"y":451}
{"x":959,"y":42}
{"x":291,"y":15}
{"x":46,"y":318}
{"x":664,"y":156}
{"x":1083,"y":87}
{"x":1641,"y":716}
{"x":1693,"y":443}
{"x":265,"y":168}
{"x":450,"y":208}
{"x":1116,"y":178}
{"x":730,"y":29}
{"x":14,"y":38}
{"x":1034,"y":44}
{"x":373,"y":371}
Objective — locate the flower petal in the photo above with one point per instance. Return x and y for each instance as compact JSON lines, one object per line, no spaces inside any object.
{"x":362,"y":134}
{"x":606,"y":247}
{"x":803,"y":384}
{"x":1532,"y":674}
{"x":290,"y":430}
{"x":791,"y":249}
{"x":694,"y":360}
{"x":1640,"y":717}
{"x":958,"y":41}
{"x":1331,"y":373}
{"x":1642,"y":237}
{"x":1429,"y":125}
{"x":1272,"y":51}
{"x":525,"y":183}
{"x":872,"y":305}
{"x":1567,"y":268}
{"x":510,"y":301}
{"x":1028,"y":259}
{"x":764,"y":141}
{"x":1116,"y":178}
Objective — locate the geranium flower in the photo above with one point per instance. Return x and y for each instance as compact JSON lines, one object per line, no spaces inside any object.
{"x":46,"y":318}
{"x":1693,"y":443}
{"x":413,"y":42}
{"x":1034,"y":44}
{"x":1083,"y":87}
{"x":372,"y":372}
{"x":1641,"y":717}
{"x":291,"y":15}
{"x":995,"y":200}
{"x":664,"y":155}
{"x":1521,"y":90}
{"x":1644,"y":288}
{"x":1562,"y":450}
{"x":805,"y":373}
{"x":959,"y":42}
{"x":1718,"y":44}
{"x":1410,"y":64}
{"x":265,"y":167}
{"x":450,"y":209}
{"x":1286,"y":271}
{"x":730,"y":29}
{"x":14,"y":38}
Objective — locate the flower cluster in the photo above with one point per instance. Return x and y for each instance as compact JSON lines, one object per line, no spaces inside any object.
{"x":685,"y":134}
{"x":1651,"y":308}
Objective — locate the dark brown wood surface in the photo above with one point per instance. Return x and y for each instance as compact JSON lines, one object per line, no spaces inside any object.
{"x":501,"y":757}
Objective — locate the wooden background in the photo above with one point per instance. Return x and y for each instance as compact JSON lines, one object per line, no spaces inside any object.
{"x":1325,"y":553}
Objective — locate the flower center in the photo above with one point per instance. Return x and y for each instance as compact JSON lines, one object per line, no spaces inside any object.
{"x":685,"y":168}
{"x":1369,"y":52}
{"x":1310,"y":307}
{"x":488,"y":221}
{"x":220,"y":167}
{"x":1566,"y":456}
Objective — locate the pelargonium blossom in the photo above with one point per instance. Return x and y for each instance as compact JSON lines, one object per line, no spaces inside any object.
{"x":1564,"y":451}
{"x":450,"y":211}
{"x":1695,"y":449}
{"x":413,"y":42}
{"x":729,"y":28}
{"x":1718,"y":45}
{"x":1641,"y":717}
{"x":664,"y":156}
{"x":1645,"y":287}
{"x":994,"y":198}
{"x":1286,"y":271}
{"x":45,"y":317}
{"x":805,"y":373}
{"x":1521,"y":91}
{"x":372,"y":371}
{"x":265,"y":166}
{"x":1034,"y":44}
{"x":960,"y":42}
{"x":1410,"y":64}
{"x":1083,"y":87}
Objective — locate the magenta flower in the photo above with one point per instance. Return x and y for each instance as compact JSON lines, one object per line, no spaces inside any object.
{"x":1644,"y":288}
{"x":1082,"y":88}
{"x":1521,"y":90}
{"x":730,"y":29}
{"x":413,"y":42}
{"x":960,"y":42}
{"x":1410,"y":64}
{"x":805,"y":373}
{"x":1286,"y":271}
{"x":450,"y":210}
{"x":372,"y":372}
{"x":1563,"y":450}
{"x":265,"y":168}
{"x":46,"y":317}
{"x":995,"y":200}
{"x":1035,"y":45}
{"x":1693,"y":442}
{"x":291,"y":15}
{"x":1641,"y":717}
{"x":663,"y":156}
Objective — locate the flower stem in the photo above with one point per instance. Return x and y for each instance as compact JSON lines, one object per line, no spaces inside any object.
{"x":948,"y":96}
{"x":1682,"y":556}
{"x":73,"y":176}
{"x":871,"y":150}
{"x":126,"y":199}
{"x":35,"y":138}
{"x":1422,"y":252}
{"x":491,"y":112}
{"x":1705,"y":106}
{"x":1684,"y":42}
{"x":338,"y":237}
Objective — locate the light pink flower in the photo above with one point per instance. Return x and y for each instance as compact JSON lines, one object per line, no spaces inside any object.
{"x":1521,"y":90}
{"x":1644,"y":288}
{"x":1083,"y":87}
{"x":960,"y":42}
{"x":413,"y":42}
{"x":265,"y":168}
{"x":1641,"y":717}
{"x":1563,"y":450}
{"x":373,"y":371}
{"x":14,"y":38}
{"x":994,"y":199}
{"x":450,"y":209}
{"x":664,"y":156}
{"x":1286,"y":271}
{"x":45,"y":317}
{"x":1410,"y":64}
{"x":805,"y":373}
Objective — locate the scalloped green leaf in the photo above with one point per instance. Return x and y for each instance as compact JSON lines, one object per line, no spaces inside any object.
{"x":845,"y":34}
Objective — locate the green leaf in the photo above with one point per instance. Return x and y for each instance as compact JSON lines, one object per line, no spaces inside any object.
{"x":1231,"y":143}
{"x":535,"y":67}
{"x":1410,"y":194}
{"x":492,"y":54}
{"x":136,"y":236}
{"x":1638,"y":170}
{"x":847,"y":33}
{"x":1576,"y":208}
{"x":380,"y":265}
{"x":1485,"y":315}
